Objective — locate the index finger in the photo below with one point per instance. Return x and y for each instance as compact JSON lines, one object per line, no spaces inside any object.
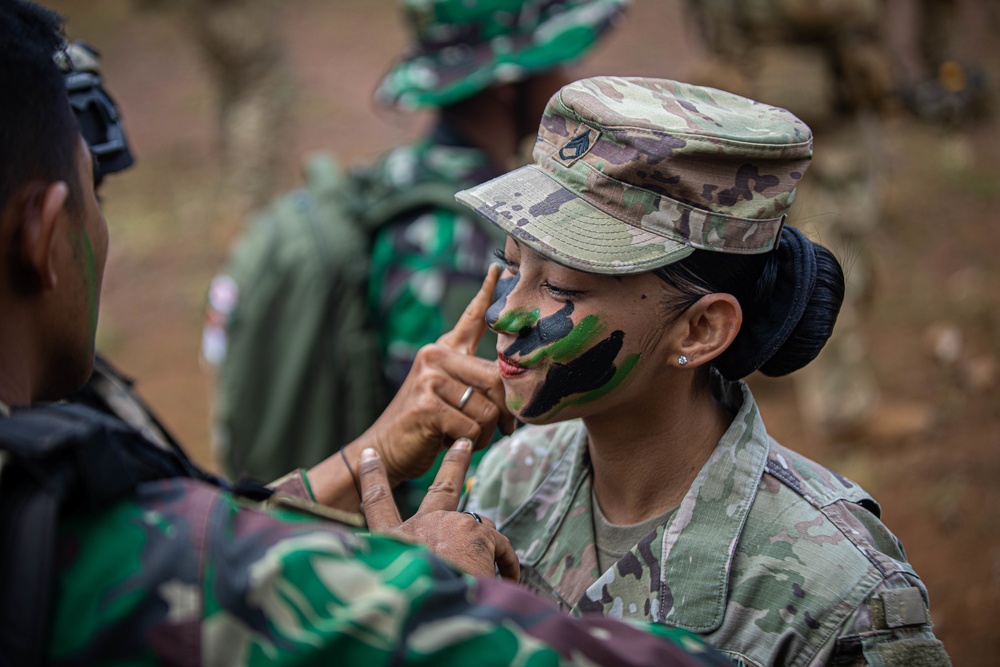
{"x":376,"y":497}
{"x":446,"y":490}
{"x":472,"y":324}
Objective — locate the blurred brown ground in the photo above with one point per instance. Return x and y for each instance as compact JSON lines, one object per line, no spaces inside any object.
{"x":935,"y":325}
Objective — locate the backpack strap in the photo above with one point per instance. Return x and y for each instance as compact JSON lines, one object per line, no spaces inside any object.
{"x":374,"y":204}
{"x":60,"y":459}
{"x":430,"y":193}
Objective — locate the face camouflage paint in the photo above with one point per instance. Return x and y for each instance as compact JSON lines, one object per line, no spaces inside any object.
{"x":546,"y":331}
{"x":573,"y":354}
{"x":592,"y":374}
{"x":504,"y":287}
{"x":90,"y":268}
{"x":583,"y":364}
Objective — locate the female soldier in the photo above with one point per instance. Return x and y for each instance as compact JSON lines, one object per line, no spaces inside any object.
{"x":648,"y":268}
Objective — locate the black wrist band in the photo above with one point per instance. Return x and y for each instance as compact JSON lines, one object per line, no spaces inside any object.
{"x":357,"y":484}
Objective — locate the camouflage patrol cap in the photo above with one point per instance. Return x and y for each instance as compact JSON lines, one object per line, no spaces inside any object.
{"x":633,"y":174}
{"x":464,"y":46}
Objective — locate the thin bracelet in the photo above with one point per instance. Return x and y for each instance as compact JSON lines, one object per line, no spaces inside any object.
{"x":357,"y":484}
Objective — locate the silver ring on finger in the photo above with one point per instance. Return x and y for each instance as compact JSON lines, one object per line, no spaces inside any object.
{"x":465,"y":397}
{"x":475,"y":516}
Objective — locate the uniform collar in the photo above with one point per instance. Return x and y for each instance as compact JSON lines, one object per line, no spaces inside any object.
{"x":694,"y":584}
{"x":691,"y":584}
{"x":555,"y":497}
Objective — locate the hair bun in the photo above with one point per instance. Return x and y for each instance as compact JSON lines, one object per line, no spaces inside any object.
{"x":766,"y":331}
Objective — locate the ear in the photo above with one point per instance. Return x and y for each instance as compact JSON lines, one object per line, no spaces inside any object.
{"x":708,"y":328}
{"x":38,"y":208}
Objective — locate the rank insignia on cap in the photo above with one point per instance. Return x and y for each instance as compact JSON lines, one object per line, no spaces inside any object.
{"x":578,"y":146}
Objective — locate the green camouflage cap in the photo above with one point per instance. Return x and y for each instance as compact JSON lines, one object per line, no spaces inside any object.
{"x":633,"y":174}
{"x":464,"y":46}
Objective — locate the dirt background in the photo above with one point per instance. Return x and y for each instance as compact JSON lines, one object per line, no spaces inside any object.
{"x":933,"y":328}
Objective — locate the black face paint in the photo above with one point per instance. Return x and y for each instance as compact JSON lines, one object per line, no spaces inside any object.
{"x":591,"y":370}
{"x":548,"y":330}
{"x":500,"y":293}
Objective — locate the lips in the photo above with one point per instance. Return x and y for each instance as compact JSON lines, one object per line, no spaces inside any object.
{"x":508,"y":367}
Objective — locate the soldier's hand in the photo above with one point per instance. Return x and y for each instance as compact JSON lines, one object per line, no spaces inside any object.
{"x":449,"y":394}
{"x":469,"y":542}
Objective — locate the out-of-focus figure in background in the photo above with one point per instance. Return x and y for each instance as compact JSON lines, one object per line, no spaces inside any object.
{"x":296,"y":329}
{"x":240,"y":43}
{"x":947,"y":90}
{"x":827,"y":63}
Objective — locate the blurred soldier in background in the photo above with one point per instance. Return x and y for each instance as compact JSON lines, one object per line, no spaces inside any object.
{"x":240,"y":42}
{"x":826,"y":63}
{"x":946,"y":91}
{"x":488,"y":69}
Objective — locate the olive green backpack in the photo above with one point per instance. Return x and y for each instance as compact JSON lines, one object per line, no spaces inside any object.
{"x":302,"y":374}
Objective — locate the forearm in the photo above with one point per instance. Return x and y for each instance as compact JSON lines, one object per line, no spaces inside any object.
{"x":333,"y":482}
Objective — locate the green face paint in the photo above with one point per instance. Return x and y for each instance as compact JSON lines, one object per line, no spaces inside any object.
{"x":513,"y":321}
{"x":89,"y":268}
{"x":572,"y":344}
{"x":585,"y":378}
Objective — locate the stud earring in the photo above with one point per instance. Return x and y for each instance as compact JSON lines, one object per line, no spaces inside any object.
{"x":682,"y":360}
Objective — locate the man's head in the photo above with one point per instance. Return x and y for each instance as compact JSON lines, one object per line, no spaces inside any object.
{"x":461,"y":47}
{"x":38,"y":129}
{"x":53,"y":238}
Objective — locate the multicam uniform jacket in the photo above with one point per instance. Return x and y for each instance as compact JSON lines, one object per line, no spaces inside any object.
{"x":771,"y":557}
{"x":181,"y":572}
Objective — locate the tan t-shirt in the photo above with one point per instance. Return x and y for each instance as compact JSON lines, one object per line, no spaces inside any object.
{"x":613,"y":540}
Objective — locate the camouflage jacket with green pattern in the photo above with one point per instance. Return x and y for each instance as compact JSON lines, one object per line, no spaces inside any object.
{"x":184,"y":573}
{"x":427,"y":264}
{"x":771,"y":557}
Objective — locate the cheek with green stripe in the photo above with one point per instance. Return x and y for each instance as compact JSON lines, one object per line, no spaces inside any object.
{"x":581,"y":356}
{"x":88,"y":264}
{"x":554,"y":338}
{"x":590,"y":375}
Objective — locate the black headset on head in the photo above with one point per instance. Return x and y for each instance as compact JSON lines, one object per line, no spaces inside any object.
{"x":96,"y":112}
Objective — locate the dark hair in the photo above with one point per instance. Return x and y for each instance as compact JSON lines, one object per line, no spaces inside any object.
{"x":762,"y":284}
{"x":38,"y":131}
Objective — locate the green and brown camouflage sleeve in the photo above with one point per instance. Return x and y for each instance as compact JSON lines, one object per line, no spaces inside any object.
{"x":424,"y":271}
{"x":183,"y":574}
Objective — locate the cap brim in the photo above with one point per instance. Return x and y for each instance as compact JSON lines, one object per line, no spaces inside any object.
{"x":536,"y":209}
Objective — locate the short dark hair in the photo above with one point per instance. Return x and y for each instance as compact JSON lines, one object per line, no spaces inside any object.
{"x":38,"y":131}
{"x":752,"y":280}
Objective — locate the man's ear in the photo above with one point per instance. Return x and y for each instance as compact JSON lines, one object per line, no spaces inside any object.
{"x":709,"y":327}
{"x":38,"y":207}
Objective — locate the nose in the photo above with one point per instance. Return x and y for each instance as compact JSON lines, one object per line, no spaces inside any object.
{"x":497,"y":309}
{"x":534,"y":332}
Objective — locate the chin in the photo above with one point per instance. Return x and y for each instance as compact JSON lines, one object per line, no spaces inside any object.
{"x":71,"y":376}
{"x":551,"y":417}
